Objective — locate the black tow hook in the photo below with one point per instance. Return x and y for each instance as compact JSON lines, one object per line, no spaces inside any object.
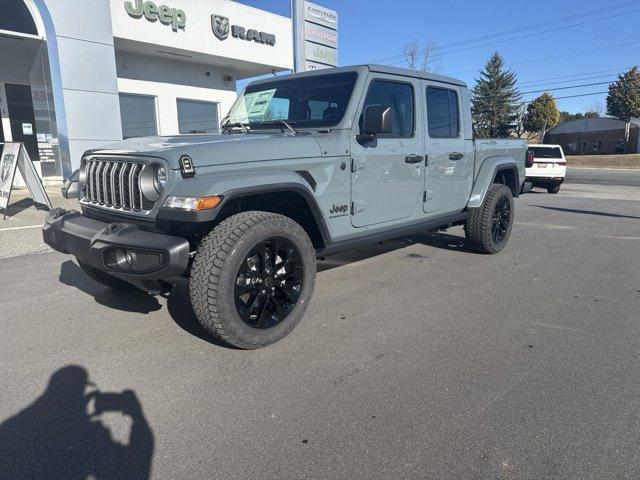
{"x":56,"y":213}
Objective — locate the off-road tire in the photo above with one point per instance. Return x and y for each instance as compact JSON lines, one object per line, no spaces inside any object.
{"x":554,"y":189}
{"x":214,"y":272}
{"x":478,"y":225}
{"x":104,"y":278}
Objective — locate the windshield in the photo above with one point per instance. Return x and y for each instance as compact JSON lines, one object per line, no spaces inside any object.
{"x":316,"y":101}
{"x":547,"y":152}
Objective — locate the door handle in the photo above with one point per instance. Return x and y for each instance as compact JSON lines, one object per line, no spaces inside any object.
{"x":456,"y":156}
{"x":413,"y":159}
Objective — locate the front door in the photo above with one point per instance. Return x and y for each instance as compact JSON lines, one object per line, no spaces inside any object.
{"x":448,"y":155}
{"x":21,"y":117}
{"x":386,"y":179}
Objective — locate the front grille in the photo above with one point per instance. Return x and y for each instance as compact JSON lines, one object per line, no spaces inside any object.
{"x":115,"y":184}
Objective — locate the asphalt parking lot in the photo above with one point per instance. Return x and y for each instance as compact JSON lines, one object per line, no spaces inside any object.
{"x":417,"y":359}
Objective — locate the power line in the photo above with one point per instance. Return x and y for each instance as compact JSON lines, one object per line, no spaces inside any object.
{"x":525,"y":102}
{"x":610,"y":77}
{"x":566,"y":88}
{"x":401,"y":61}
{"x":575,"y":96}
{"x":612,"y":72}
{"x":526,"y":27}
{"x":559,"y":56}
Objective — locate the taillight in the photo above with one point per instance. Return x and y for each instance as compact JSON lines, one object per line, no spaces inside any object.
{"x":531,"y":155}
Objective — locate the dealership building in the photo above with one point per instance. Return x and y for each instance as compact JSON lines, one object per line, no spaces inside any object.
{"x":78,"y":75}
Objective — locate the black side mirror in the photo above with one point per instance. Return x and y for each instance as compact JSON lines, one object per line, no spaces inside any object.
{"x":71,"y":186}
{"x":378,"y":119}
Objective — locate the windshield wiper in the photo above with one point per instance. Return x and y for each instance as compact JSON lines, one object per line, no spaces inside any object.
{"x":230,"y":126}
{"x":281,"y":122}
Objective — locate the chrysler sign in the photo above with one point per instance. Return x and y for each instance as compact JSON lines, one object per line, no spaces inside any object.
{"x":221,"y":27}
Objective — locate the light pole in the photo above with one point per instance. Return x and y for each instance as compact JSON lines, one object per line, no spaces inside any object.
{"x":297,"y":17}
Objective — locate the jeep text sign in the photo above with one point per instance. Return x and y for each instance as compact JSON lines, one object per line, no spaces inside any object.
{"x":152,"y":12}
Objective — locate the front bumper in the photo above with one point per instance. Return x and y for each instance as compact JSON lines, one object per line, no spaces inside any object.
{"x":120,"y":249}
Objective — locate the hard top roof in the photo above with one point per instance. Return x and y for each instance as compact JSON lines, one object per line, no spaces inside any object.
{"x":405,"y":72}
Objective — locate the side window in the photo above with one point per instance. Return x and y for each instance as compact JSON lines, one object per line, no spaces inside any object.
{"x":442,"y":113}
{"x":399,"y":96}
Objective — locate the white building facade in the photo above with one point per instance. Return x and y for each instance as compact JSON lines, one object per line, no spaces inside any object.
{"x":76,"y":75}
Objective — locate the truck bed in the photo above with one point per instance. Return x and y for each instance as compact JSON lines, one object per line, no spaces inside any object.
{"x":494,"y":147}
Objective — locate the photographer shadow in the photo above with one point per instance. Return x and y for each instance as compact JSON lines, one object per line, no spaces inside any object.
{"x":134,"y":300}
{"x":57,"y":437}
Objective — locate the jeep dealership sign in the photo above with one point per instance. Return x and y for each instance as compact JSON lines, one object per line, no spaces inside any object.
{"x":320,"y":48}
{"x":152,"y":12}
{"x":220,"y":27}
{"x":14,"y":157}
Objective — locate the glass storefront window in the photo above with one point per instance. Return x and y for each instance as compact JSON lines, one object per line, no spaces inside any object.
{"x":138,"y":115}
{"x":197,"y":117}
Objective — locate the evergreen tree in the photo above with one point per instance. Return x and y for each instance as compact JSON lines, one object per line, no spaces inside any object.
{"x":623,"y":101}
{"x":542,"y":113}
{"x":567,"y":117}
{"x":496,"y":100}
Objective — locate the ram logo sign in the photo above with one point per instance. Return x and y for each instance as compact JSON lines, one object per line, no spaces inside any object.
{"x":220,"y":26}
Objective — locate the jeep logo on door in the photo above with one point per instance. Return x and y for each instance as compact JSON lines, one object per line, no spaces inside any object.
{"x":338,"y":211}
{"x":220,"y":26}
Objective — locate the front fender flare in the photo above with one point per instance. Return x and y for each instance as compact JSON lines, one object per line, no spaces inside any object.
{"x":488,"y":171}
{"x":236,"y":186}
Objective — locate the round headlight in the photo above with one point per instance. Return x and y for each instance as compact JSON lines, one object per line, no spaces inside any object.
{"x":153,"y":179}
{"x":160,"y":179}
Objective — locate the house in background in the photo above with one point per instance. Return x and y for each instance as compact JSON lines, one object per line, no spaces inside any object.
{"x":595,"y":136}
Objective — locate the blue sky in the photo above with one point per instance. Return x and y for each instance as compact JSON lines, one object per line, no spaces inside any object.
{"x":592,"y":51}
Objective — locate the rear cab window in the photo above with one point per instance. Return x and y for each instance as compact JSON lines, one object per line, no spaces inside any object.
{"x":443,"y":112}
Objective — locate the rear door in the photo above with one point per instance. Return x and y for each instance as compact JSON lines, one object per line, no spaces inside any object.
{"x":449,"y":155}
{"x":386,"y":174}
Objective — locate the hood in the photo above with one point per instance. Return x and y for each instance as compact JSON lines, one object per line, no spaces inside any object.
{"x":218,"y":149}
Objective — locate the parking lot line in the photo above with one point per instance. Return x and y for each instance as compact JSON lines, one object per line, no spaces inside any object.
{"x":19,"y":228}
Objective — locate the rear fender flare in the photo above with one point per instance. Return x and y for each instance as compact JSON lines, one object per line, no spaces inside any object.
{"x":487,"y":174}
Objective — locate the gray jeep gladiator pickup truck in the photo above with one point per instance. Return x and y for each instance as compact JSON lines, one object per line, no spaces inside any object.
{"x":305,"y":165}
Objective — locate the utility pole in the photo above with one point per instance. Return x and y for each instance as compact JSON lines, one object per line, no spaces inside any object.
{"x":297,"y":18}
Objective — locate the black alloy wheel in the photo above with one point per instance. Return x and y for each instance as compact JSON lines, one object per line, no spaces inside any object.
{"x":488,"y":227}
{"x":268,"y":283}
{"x":501,"y":219}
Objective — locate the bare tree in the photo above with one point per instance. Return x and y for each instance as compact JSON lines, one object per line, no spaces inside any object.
{"x":520,"y":131}
{"x":421,"y":56}
{"x":596,"y":110}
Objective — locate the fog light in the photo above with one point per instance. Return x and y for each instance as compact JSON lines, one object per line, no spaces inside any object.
{"x":125,"y":260}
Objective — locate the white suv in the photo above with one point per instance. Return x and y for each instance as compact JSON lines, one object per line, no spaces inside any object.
{"x":549,"y":167}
